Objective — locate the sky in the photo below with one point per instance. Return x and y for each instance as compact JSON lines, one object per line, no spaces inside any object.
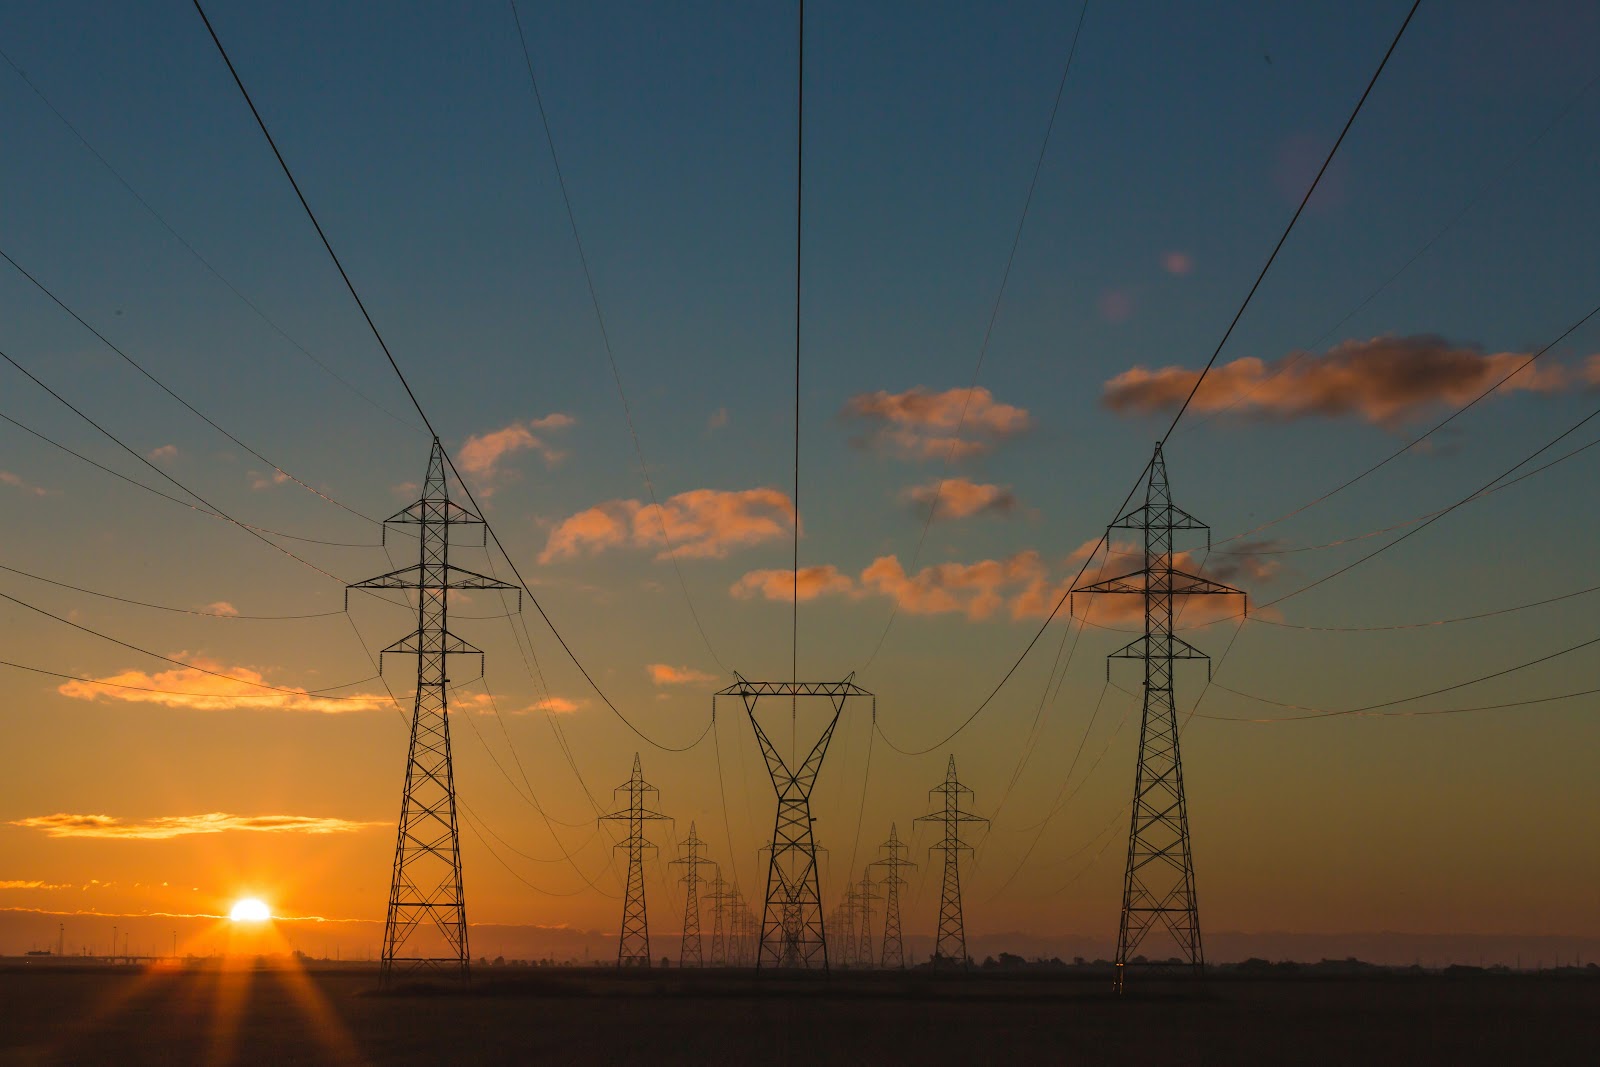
{"x":1451,"y":238}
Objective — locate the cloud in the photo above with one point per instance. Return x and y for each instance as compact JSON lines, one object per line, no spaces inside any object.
{"x":919,"y":424}
{"x":1179,"y":263}
{"x":162,"y":454}
{"x":482,"y":453}
{"x":666,"y":674}
{"x":1116,"y":305}
{"x":556,"y":705}
{"x":16,"y":481}
{"x":780,"y":584}
{"x":959,"y":498}
{"x":977,"y":590}
{"x":165,"y":827}
{"x":484,"y":704}
{"x":183,"y":687}
{"x":718,"y":419}
{"x":259,"y":481}
{"x":1384,"y":380}
{"x":222,"y":607}
{"x":702,"y":523}
{"x":17,"y":883}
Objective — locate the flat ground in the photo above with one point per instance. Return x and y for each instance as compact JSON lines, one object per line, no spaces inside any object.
{"x":278,"y":1015}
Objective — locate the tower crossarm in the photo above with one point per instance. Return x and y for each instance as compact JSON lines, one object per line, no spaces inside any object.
{"x":1140,"y":582}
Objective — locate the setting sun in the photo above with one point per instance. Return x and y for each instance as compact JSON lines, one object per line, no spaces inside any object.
{"x":250,"y":910}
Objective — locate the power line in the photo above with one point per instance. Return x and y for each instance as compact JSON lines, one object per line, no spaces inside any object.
{"x":1296,"y":217}
{"x":395,"y":366}
{"x":180,"y":692}
{"x":192,"y":250}
{"x":163,"y":607}
{"x":1384,"y":714}
{"x":988,"y":332}
{"x":605,"y":337}
{"x":799,"y":215}
{"x":136,"y":365}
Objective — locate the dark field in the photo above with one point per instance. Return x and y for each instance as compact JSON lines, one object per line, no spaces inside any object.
{"x":69,"y":1015}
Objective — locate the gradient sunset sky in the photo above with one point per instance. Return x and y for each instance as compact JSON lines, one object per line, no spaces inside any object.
{"x":1453,"y":237}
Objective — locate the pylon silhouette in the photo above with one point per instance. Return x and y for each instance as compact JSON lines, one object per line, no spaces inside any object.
{"x":689,"y":952}
{"x":1158,"y":882}
{"x":425,"y":926}
{"x":950,"y":949}
{"x":721,"y":896}
{"x":863,"y":919}
{"x":894,"y":949}
{"x":633,"y":946}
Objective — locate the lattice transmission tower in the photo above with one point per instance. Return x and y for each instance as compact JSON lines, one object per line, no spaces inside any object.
{"x":863,"y":918}
{"x":633,"y":946}
{"x":950,"y":949}
{"x":844,"y":926}
{"x":1158,"y":882}
{"x":425,"y":926}
{"x":894,"y":949}
{"x":721,"y":896}
{"x":792,"y":930}
{"x":689,"y":951}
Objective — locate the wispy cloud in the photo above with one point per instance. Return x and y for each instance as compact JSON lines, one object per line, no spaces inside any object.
{"x":666,"y":674}
{"x":702,"y":523}
{"x":221,"y":607}
{"x":482,"y":453}
{"x":1384,"y":380}
{"x":959,"y":498}
{"x":18,"y":883}
{"x":160,"y":828}
{"x":16,"y":481}
{"x":259,"y":481}
{"x":821,"y":580}
{"x":164,"y":454}
{"x":183,"y":687}
{"x":921,"y":424}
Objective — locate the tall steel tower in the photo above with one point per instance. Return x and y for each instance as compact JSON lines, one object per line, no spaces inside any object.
{"x":792,"y":932}
{"x":1158,"y":883}
{"x":689,"y":951}
{"x":951,"y":947}
{"x":425,"y":928}
{"x":894,"y":949}
{"x":721,"y":896}
{"x":863,"y":920}
{"x":844,"y":922}
{"x":633,"y":946}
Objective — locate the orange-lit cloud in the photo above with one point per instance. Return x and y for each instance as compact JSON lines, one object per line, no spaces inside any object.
{"x":702,"y":523}
{"x":183,"y":687}
{"x":164,"y":827}
{"x":666,"y":674}
{"x":555,"y":705}
{"x":259,"y":481}
{"x":162,"y":454}
{"x":920,"y":424}
{"x":16,"y":481}
{"x":959,"y":498}
{"x":18,"y":883}
{"x":781,"y":585}
{"x":221,"y":607}
{"x":1384,"y":380}
{"x":1177,"y":263}
{"x":481,"y":453}
{"x":483,"y":704}
{"x":976,"y":590}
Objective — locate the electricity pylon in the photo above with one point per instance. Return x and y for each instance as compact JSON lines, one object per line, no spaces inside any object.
{"x":894,"y":949}
{"x":863,"y":921}
{"x":844,"y":921}
{"x":633,"y":947}
{"x":689,"y":953}
{"x":721,"y":896}
{"x":426,"y":888}
{"x":1158,"y":883}
{"x":792,"y":933}
{"x":951,"y":947}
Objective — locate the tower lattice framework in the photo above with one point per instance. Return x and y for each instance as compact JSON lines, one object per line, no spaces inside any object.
{"x":425,"y":926}
{"x":863,"y":919}
{"x":721,"y":896}
{"x":792,"y":930}
{"x":633,"y":945}
{"x":894,"y":949}
{"x":950,"y":948}
{"x":1158,"y":882}
{"x":690,"y":951}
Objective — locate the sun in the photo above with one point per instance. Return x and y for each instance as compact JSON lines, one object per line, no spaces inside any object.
{"x":250,"y":910}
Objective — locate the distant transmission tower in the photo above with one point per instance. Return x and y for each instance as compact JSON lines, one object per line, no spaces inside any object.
{"x":425,"y":890}
{"x":633,"y":947}
{"x":894,"y":949}
{"x":689,"y":952}
{"x":950,"y":949}
{"x":1158,"y":885}
{"x":863,"y":920}
{"x":721,"y":896}
{"x":792,"y":932}
{"x":844,"y":922}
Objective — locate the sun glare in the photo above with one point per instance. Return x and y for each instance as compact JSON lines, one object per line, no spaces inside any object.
{"x":250,"y":910}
